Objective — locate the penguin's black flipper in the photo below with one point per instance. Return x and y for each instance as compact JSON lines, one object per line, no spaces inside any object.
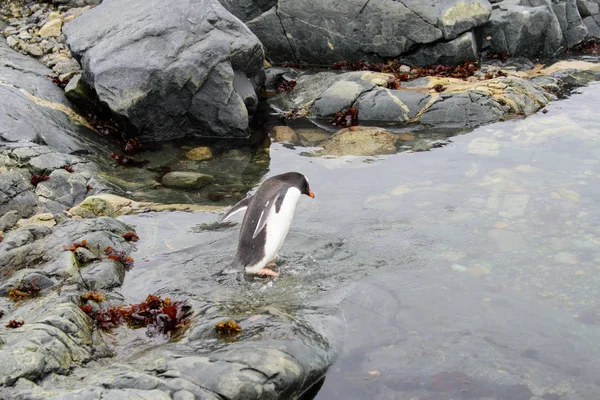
{"x":242,"y":205}
{"x":264,"y":215}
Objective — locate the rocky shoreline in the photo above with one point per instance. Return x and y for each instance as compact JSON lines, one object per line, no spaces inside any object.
{"x":67,"y":215}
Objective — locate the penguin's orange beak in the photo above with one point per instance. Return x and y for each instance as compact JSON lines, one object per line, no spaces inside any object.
{"x":311,"y":194}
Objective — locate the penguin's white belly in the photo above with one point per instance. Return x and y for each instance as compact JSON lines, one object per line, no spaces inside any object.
{"x":277,"y":226}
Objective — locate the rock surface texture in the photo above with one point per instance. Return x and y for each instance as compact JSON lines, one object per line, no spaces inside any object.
{"x":41,"y":135}
{"x":172,"y":69}
{"x":61,"y":353}
{"x":421,"y":32}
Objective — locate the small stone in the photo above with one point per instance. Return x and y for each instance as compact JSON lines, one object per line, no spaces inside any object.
{"x":66,"y":65}
{"x":484,"y":146}
{"x":284,"y":134}
{"x":514,"y":205}
{"x":459,"y":268}
{"x":406,"y":137}
{"x":33,"y":50}
{"x":52,"y":28}
{"x":186,"y":180}
{"x":566,"y":258}
{"x":11,"y":41}
{"x":201,"y":153}
{"x":25,"y":36}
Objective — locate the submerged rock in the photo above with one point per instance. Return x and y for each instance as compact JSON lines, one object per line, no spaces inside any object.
{"x":284,"y":134}
{"x":173,"y":72}
{"x":360,"y":141}
{"x":186,"y":180}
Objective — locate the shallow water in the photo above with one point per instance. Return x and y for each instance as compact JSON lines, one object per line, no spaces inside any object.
{"x":468,"y":271}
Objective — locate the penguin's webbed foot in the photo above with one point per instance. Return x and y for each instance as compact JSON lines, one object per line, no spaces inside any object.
{"x":267,"y":272}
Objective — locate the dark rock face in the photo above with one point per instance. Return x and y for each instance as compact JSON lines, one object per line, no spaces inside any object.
{"x":173,"y":70}
{"x":418,"y":32}
{"x":329,"y":31}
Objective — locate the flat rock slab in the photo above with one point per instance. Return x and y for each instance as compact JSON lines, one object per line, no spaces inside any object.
{"x":433,"y":101}
{"x":282,"y":350}
{"x":360,"y":141}
{"x":172,"y":70}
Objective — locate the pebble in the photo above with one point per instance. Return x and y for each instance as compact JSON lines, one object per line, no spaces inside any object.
{"x":284,"y":134}
{"x":11,"y":41}
{"x":33,"y":50}
{"x":52,"y":28}
{"x":199,"y":154}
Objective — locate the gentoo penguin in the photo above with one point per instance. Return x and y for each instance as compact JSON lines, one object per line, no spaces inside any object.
{"x":269,"y":213}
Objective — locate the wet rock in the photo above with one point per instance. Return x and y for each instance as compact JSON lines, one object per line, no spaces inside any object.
{"x":76,"y":3}
{"x":84,"y":256}
{"x":62,"y":191}
{"x":106,"y":204}
{"x":339,"y":96}
{"x":186,"y":180}
{"x":45,"y":344}
{"x":201,"y":153}
{"x":33,"y":244}
{"x":294,"y":353}
{"x":363,"y":141}
{"x":37,"y":278}
{"x":16,"y":193}
{"x":284,"y":134}
{"x":79,"y":92}
{"x":462,"y":103}
{"x":462,"y":110}
{"x":100,"y":205}
{"x":194,"y":96}
{"x":103,"y":275}
{"x":390,"y":105}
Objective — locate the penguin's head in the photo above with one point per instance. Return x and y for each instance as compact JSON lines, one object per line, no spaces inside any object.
{"x":299,"y":181}
{"x":305,"y":189}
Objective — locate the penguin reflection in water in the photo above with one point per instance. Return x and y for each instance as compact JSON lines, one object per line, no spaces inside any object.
{"x":269,"y":213}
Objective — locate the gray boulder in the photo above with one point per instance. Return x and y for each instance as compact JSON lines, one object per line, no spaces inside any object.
{"x":462,"y":110}
{"x":571,"y":23}
{"x":173,"y":70}
{"x":328,"y":31}
{"x":390,"y":105}
{"x":523,"y":29}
